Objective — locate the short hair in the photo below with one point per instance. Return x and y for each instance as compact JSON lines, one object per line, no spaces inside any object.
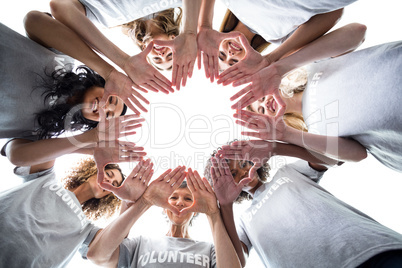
{"x":263,"y":175}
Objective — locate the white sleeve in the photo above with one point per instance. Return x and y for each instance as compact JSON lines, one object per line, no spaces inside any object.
{"x":243,"y":236}
{"x":302,"y":167}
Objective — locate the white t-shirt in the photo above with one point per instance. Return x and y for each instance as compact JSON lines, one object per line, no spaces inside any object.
{"x":359,"y":95}
{"x":113,"y":13}
{"x":275,"y":20}
{"x":41,"y":223}
{"x":293,"y":222}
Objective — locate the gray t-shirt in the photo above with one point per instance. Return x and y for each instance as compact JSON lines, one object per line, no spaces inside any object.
{"x":294,"y":222}
{"x":41,"y":223}
{"x":23,"y":64}
{"x":113,"y":13}
{"x":166,"y":252}
{"x":358,"y":95}
{"x":275,"y":20}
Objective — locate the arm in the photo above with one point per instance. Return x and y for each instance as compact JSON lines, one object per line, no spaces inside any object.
{"x":205,"y":202}
{"x":267,"y":81}
{"x":104,"y":249}
{"x":72,"y":14}
{"x":227,"y":191}
{"x":309,"y":31}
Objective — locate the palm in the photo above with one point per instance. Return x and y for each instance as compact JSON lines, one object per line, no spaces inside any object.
{"x":144,"y":75}
{"x":117,"y":127}
{"x":226,"y":189}
{"x":264,"y":82}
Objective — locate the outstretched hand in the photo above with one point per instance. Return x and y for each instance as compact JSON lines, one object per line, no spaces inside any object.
{"x":208,"y":49}
{"x":256,"y":151}
{"x":135,"y":184}
{"x":116,"y":127}
{"x":115,"y":152}
{"x":159,"y":190}
{"x":144,"y":75}
{"x":249,"y":65}
{"x":264,"y":82}
{"x":184,"y":48}
{"x":203,"y":194}
{"x":120,"y":85}
{"x":225,"y":187}
{"x":266,"y":127}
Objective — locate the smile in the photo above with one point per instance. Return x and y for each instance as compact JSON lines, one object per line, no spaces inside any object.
{"x":271,"y":105}
{"x":235,"y":46}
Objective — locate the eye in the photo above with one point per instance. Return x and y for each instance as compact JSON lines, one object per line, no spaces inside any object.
{"x":169,"y":56}
{"x":233,"y":174}
{"x":115,"y":184}
{"x":222,"y":56}
{"x":261,"y":110}
{"x":189,"y":199}
{"x":110,"y":99}
{"x":243,"y":164}
{"x":157,"y":59}
{"x":173,"y":198}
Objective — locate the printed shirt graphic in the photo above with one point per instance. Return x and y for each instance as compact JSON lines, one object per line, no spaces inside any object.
{"x":109,"y":13}
{"x":358,"y":95}
{"x":41,"y":223}
{"x":293,"y":222}
{"x":166,"y":252}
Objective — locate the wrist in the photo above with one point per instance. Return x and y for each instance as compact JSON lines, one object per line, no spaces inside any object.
{"x":88,"y":139}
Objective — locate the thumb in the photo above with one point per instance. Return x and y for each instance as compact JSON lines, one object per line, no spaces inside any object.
{"x":148,"y":48}
{"x":187,"y":210}
{"x":164,"y":43}
{"x":245,"y":43}
{"x":253,"y":170}
{"x":100,"y":176}
{"x":107,"y":186}
{"x":232,"y":35}
{"x":173,"y":209}
{"x":244,"y":182}
{"x":103,"y":101}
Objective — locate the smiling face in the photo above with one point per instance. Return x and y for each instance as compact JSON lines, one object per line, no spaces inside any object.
{"x":112,"y":176}
{"x":161,"y":57}
{"x":230,"y":52}
{"x":239,"y":170}
{"x":266,"y":105}
{"x":90,"y":110}
{"x":181,"y":198}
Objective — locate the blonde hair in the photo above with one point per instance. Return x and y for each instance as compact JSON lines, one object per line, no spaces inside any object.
{"x":293,"y":83}
{"x":165,"y":21}
{"x":93,"y":208}
{"x":230,"y":22}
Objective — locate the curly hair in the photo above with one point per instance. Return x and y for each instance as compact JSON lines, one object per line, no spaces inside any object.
{"x":93,"y":208}
{"x":293,"y":83}
{"x":164,"y":21}
{"x":230,"y":22}
{"x":263,"y":174}
{"x":70,"y":88}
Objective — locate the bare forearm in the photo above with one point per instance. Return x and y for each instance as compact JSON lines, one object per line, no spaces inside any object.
{"x":206,"y":13}
{"x":335,"y":43}
{"x":228,"y":220}
{"x":49,"y":32}
{"x":226,"y":255}
{"x":191,"y":9}
{"x":41,"y":151}
{"x":302,"y":153}
{"x":71,"y":14}
{"x":338,"y":148}
{"x":103,"y":247}
{"x":306,"y":33}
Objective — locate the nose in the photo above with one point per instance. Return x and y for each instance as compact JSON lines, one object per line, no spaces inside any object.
{"x":180,"y":202}
{"x":231,"y":52}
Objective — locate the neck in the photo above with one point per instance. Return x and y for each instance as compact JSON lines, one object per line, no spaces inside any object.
{"x":83,"y":193}
{"x":240,"y":27}
{"x":252,"y":190}
{"x":178,"y":231}
{"x":294,"y":104}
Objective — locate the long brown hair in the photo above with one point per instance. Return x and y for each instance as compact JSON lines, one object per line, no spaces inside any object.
{"x":93,"y":208}
{"x":230,"y":22}
{"x":164,"y":20}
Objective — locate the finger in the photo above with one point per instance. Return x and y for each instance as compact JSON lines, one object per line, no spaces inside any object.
{"x":187,"y":210}
{"x":138,"y":104}
{"x":244,"y":182}
{"x":199,"y":181}
{"x":282,"y":106}
{"x":205,"y":61}
{"x":164,"y":174}
{"x":138,"y":95}
{"x":214,"y":177}
{"x":225,"y":167}
{"x":243,"y":81}
{"x":227,"y":74}
{"x":148,"y":48}
{"x":104,"y":99}
{"x":174,"y":74}
{"x":143,"y":168}
{"x":108,"y":187}
{"x":173,"y":173}
{"x":211,"y":68}
{"x":131,"y":106}
{"x":191,"y":68}
{"x":245,"y":101}
{"x":179,"y":76}
{"x":178,"y":176}
{"x":207,"y":185}
{"x":216,"y":66}
{"x":184,"y":75}
{"x":241,"y":93}
{"x":232,"y":34}
{"x":135,"y":170}
{"x":148,"y":177}
{"x":199,"y":59}
{"x":164,"y":43}
{"x":101,"y":174}
{"x":236,"y":77}
{"x":215,"y":166}
{"x":252,"y":134}
{"x":134,"y":85}
{"x":244,"y":42}
{"x":173,"y":209}
{"x":163,"y":82}
{"x":190,"y":182}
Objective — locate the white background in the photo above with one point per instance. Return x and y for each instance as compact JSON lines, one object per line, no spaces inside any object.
{"x":183,"y":129}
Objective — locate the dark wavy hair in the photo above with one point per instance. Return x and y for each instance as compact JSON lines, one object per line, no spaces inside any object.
{"x":263,"y":175}
{"x":68,"y":89}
